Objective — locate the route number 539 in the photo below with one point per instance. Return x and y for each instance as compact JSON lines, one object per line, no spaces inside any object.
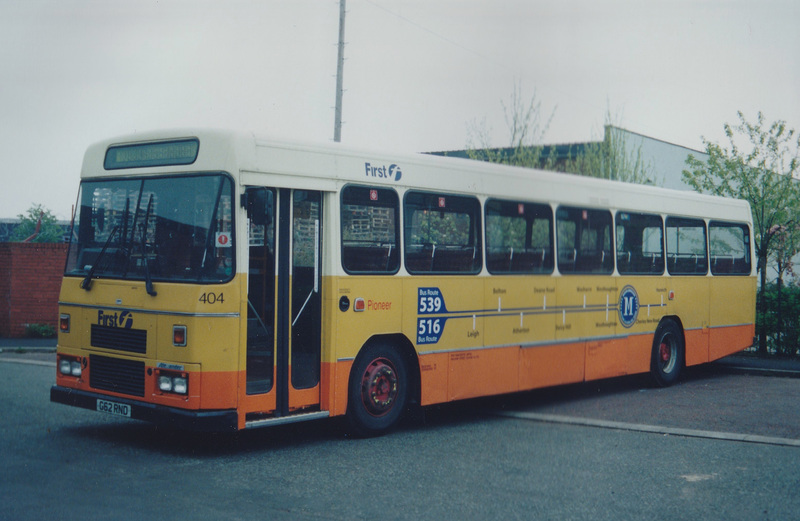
{"x":430,"y":304}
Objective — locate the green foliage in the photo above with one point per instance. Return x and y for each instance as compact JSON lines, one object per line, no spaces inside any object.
{"x":763,"y":174}
{"x":40,"y":330}
{"x":781,"y":319}
{"x":613,"y":158}
{"x":526,"y":127}
{"x":760,"y":167}
{"x":443,"y":228}
{"x":49,"y":230}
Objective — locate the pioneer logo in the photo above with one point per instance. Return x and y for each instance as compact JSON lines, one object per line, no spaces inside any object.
{"x":383,"y":172}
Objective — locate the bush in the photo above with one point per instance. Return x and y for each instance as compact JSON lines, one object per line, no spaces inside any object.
{"x":781,"y":319}
{"x":40,"y":330}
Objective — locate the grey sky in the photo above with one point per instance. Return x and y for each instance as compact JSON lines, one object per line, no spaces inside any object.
{"x":417,"y":72}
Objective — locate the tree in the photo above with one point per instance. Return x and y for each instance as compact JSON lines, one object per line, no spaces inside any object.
{"x":37,"y":225}
{"x":526,"y":128}
{"x":762,"y":171}
{"x":611,"y":158}
{"x":786,"y":245}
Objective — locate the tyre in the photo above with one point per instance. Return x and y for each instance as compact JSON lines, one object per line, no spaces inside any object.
{"x":378,"y":390}
{"x":668,"y":353}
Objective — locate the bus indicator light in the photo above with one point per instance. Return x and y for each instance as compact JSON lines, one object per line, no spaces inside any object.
{"x":359,"y":304}
{"x":63,"y":323}
{"x":179,"y":336}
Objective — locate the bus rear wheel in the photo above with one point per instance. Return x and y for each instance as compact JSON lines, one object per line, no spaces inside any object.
{"x":378,"y":390}
{"x":668,"y":353}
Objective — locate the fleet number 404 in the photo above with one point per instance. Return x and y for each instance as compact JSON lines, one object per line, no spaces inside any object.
{"x":212,"y":298}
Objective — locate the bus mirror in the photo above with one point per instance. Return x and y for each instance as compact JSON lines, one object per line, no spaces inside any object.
{"x":257,"y":206}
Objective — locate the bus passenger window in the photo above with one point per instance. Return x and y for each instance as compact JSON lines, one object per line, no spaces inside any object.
{"x":730,"y":248}
{"x":519,"y":237}
{"x":370,"y":230}
{"x":442,"y":233}
{"x":640,"y":244}
{"x":584,"y":241}
{"x":686,"y":246}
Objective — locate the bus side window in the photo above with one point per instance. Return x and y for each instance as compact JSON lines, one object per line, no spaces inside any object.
{"x":519,"y":237}
{"x":442,"y":233}
{"x":687,"y":253}
{"x":584,"y":240}
{"x":370,"y":230}
{"x":640,"y":244}
{"x":730,"y":248}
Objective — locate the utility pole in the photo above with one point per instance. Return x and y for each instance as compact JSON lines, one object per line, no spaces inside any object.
{"x":337,"y":124}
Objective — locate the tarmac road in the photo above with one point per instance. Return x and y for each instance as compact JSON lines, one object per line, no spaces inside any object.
{"x":480,"y":459}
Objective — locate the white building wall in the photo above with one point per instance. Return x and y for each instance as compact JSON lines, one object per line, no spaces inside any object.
{"x":667,"y":159}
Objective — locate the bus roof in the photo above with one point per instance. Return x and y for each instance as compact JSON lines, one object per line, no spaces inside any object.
{"x":280,"y":163}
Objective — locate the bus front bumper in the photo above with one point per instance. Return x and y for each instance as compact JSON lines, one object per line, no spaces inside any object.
{"x":208,"y":421}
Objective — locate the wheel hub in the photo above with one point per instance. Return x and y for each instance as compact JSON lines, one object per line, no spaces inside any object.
{"x":666,"y":352}
{"x":379,"y":387}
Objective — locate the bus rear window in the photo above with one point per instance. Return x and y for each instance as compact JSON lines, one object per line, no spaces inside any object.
{"x":730,"y":248}
{"x":370,"y":230}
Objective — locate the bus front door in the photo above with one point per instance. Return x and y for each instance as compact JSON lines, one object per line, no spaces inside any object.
{"x":284,"y":301}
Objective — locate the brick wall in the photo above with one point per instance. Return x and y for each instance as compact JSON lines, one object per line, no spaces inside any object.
{"x":30,"y":281}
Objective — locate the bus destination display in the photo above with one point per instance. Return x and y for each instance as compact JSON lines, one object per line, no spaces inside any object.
{"x":165,"y":153}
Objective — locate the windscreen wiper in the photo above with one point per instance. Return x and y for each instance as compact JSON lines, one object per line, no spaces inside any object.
{"x":148,"y":281}
{"x":87,"y":280}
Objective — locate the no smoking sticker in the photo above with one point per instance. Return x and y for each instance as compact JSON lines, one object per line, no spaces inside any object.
{"x":223,"y":239}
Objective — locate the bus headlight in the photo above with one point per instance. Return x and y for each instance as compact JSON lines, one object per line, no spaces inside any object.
{"x":180,"y":385}
{"x":165,"y":384}
{"x":69,"y":367}
{"x":177,"y":384}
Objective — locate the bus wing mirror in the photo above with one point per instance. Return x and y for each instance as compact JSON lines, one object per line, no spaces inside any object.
{"x":257,"y":206}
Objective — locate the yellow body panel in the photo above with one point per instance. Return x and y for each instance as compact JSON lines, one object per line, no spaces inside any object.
{"x":488,"y":335}
{"x":473,"y":336}
{"x":212,"y":323}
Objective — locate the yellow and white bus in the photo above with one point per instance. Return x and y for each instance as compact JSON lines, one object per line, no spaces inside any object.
{"x":219,"y":281}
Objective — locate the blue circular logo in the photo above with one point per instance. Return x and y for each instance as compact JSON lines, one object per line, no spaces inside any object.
{"x":628,"y":306}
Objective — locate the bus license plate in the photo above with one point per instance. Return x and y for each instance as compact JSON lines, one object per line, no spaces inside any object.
{"x":117,"y":409}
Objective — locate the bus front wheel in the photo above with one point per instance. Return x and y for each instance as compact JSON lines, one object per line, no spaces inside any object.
{"x":668,"y":353}
{"x":378,"y":390}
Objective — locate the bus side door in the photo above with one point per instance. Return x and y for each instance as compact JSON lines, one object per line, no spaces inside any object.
{"x":284,"y":301}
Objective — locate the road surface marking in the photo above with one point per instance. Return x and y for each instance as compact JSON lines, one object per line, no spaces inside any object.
{"x":655,"y":429}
